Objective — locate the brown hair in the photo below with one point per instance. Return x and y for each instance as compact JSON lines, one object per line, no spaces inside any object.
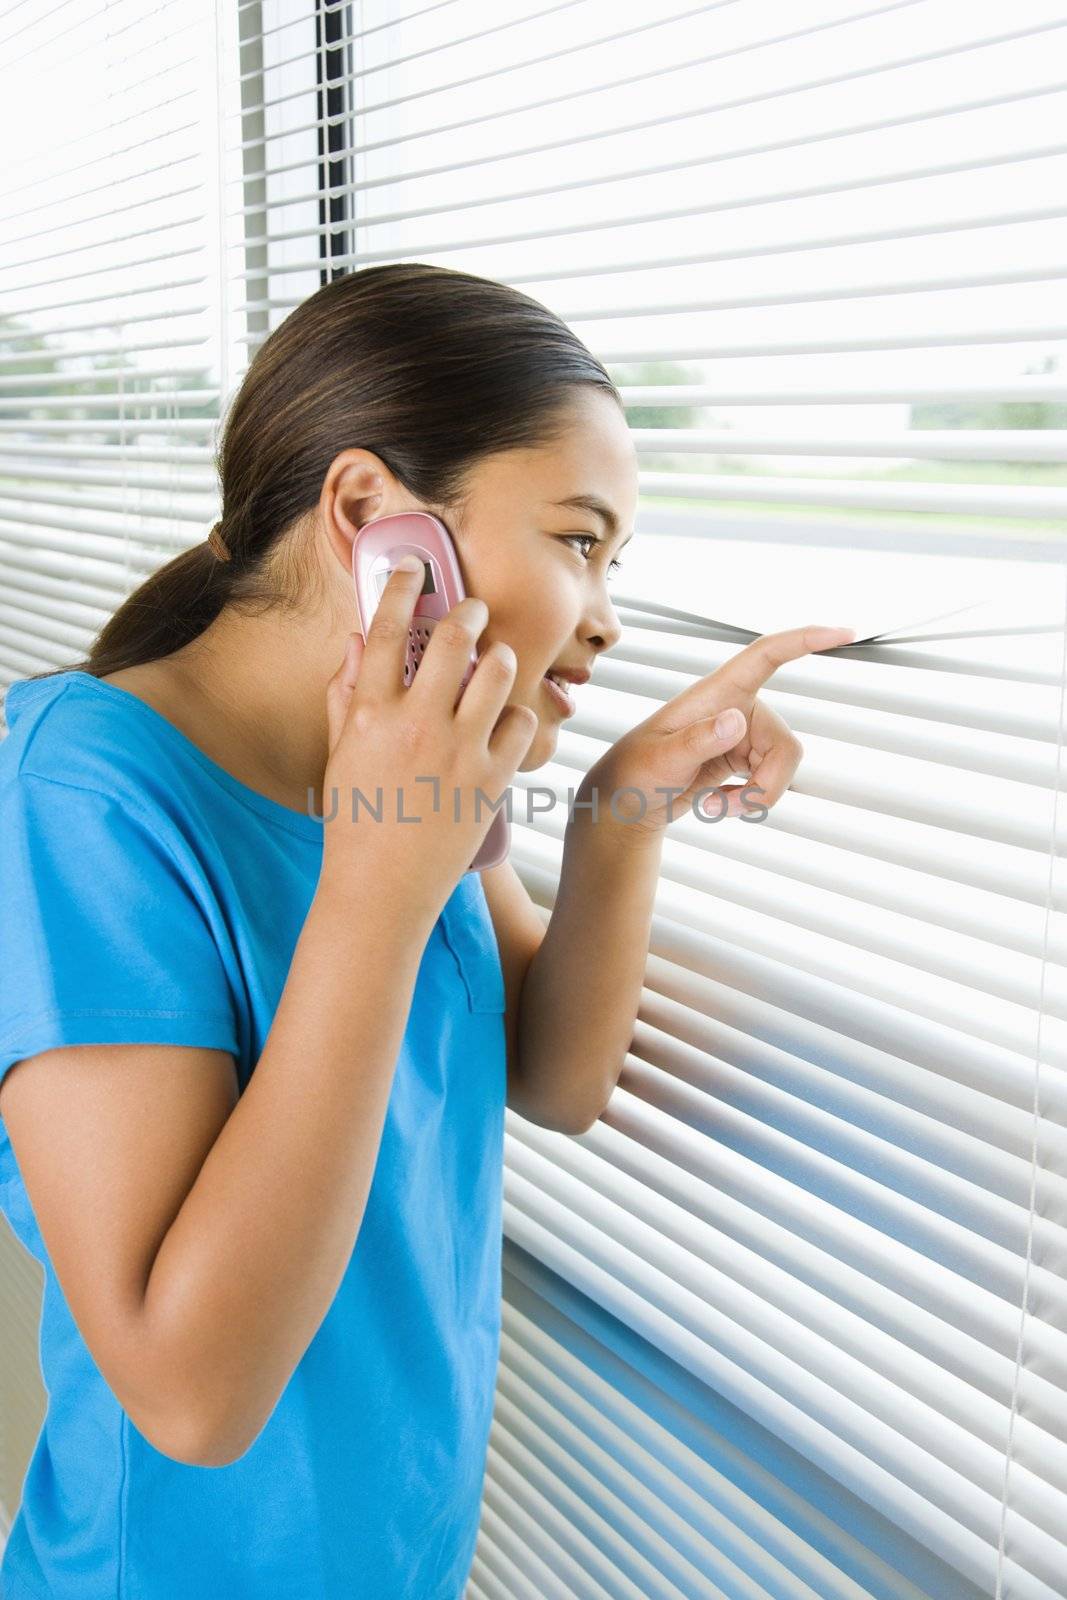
{"x":429,"y":368}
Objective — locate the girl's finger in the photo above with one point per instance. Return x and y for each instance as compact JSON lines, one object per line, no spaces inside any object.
{"x":710,"y":736}
{"x":745,"y":674}
{"x":705,"y":744}
{"x":340,"y":687}
{"x":770,"y":777}
{"x":348,"y":671}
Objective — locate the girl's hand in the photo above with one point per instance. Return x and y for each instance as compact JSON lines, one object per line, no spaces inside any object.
{"x":416,"y":751}
{"x":678,"y":747}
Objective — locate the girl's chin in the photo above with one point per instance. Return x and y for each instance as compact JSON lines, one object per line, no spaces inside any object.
{"x":542,"y":745}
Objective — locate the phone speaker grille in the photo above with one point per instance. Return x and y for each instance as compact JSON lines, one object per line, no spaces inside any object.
{"x":418,"y":639}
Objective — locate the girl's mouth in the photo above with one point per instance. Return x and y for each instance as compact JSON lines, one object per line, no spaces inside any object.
{"x":560,"y":696}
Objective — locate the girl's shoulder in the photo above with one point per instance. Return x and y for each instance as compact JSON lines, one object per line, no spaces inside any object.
{"x":74,"y":729}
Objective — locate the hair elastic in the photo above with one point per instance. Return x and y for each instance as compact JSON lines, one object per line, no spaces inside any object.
{"x":218,"y":544}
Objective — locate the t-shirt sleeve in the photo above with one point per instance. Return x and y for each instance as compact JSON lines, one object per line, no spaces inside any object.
{"x":104,"y":939}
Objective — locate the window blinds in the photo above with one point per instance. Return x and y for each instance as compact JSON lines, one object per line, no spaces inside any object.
{"x":113,"y":355}
{"x":791,"y":1320}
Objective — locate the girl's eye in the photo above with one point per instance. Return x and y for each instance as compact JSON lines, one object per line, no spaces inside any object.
{"x":591,"y":538}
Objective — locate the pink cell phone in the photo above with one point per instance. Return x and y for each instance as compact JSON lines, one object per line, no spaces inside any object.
{"x":376,"y":549}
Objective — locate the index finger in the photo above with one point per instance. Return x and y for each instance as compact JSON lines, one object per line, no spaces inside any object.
{"x":747,"y":671}
{"x":381,"y":670}
{"x":758,"y":661}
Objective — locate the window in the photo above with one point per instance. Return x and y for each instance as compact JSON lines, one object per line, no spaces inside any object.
{"x":792,"y":1318}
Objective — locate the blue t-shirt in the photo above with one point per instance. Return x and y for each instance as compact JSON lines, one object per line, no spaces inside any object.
{"x":149,"y":896}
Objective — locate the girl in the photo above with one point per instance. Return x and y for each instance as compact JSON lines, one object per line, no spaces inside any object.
{"x":254,"y":1053}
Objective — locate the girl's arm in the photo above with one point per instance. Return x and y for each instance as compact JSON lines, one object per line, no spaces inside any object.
{"x":198,"y":1237}
{"x":252,"y":1261}
{"x":582,"y":988}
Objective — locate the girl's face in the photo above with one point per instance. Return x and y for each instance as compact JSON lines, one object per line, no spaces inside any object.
{"x":543,"y":568}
